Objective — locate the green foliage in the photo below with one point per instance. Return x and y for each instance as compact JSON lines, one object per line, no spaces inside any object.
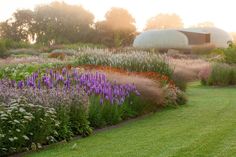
{"x":79,"y":45}
{"x":222,"y":75}
{"x":135,"y":106}
{"x":95,"y":113}
{"x":11,"y":44}
{"x":230,"y":54}
{"x":22,"y":71}
{"x":79,"y":123}
{"x":64,"y":130}
{"x":24,"y":51}
{"x":19,"y":71}
{"x":6,"y":44}
{"x":3,"y":49}
{"x":23,"y":124}
{"x":217,"y":51}
{"x":104,"y":114}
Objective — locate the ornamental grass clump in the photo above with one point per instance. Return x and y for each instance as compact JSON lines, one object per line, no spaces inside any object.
{"x":130,"y":61}
{"x":219,"y":74}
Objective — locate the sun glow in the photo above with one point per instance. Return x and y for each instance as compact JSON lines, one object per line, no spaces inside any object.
{"x":191,"y":11}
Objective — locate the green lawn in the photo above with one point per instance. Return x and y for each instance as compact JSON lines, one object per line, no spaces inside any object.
{"x":206,"y":126}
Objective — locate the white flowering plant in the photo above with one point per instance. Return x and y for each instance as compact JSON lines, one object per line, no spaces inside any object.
{"x":138,"y":61}
{"x":22,"y":124}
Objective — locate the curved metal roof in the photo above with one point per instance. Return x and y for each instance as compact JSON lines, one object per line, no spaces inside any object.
{"x":161,"y":39}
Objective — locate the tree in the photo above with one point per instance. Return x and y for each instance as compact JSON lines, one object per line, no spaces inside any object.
{"x":118,"y":28}
{"x":59,"y":22}
{"x":54,"y":23}
{"x":18,"y":28}
{"x":164,"y":21}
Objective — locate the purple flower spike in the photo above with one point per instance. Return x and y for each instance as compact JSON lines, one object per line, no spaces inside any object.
{"x":74,"y":83}
{"x":20,"y":84}
{"x":101,"y":101}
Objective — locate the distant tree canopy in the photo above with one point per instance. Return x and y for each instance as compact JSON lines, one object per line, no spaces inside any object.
{"x":164,"y":21}
{"x":118,"y":28}
{"x":205,"y":24}
{"x":59,"y":23}
{"x":18,"y":28}
{"x":55,"y":23}
{"x":62,"y":23}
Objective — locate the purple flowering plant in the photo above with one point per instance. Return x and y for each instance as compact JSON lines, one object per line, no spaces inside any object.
{"x":66,"y":83}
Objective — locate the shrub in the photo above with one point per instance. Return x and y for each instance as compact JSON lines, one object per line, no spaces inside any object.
{"x":181,"y":98}
{"x":68,"y":52}
{"x":174,"y":97}
{"x":79,"y":46}
{"x":20,"y":71}
{"x":233,"y":76}
{"x":204,"y":74}
{"x":180,"y":81}
{"x":230,"y":54}
{"x":79,"y":123}
{"x":64,"y":131}
{"x":57,"y":55}
{"x":69,"y":116}
{"x":221,"y":74}
{"x":23,"y":124}
{"x":10,"y":44}
{"x":135,"y":106}
{"x":102,"y":114}
{"x":217,"y":51}
{"x":3,"y":49}
{"x":95,"y":113}
{"x":24,"y":51}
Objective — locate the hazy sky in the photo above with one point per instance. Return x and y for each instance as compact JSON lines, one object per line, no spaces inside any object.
{"x":220,"y":12}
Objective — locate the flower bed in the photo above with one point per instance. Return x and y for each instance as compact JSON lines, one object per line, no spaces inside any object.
{"x":140,"y":61}
{"x":67,"y":103}
{"x":163,"y":79}
{"x":58,"y":105}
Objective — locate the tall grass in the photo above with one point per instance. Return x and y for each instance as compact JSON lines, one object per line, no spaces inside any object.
{"x":221,"y":74}
{"x":131,"y":61}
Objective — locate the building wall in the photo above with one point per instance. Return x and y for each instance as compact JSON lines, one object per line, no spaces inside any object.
{"x":197,"y":38}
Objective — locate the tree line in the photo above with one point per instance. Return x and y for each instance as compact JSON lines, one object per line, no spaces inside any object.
{"x":61,"y":23}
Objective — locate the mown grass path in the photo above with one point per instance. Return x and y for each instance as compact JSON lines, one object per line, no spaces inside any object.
{"x":206,"y":126}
